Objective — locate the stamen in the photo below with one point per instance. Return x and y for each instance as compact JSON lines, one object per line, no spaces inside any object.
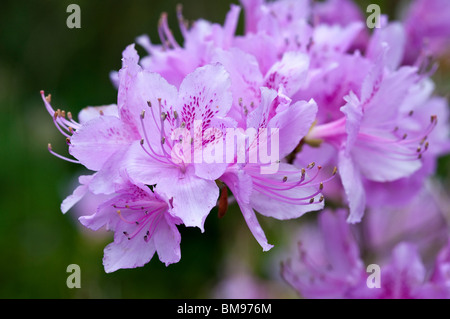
{"x":149,"y":144}
{"x":49,"y":147}
{"x":152,"y":155}
{"x":58,"y":116}
{"x":433,"y":119}
{"x":282,"y":198}
{"x":161,"y":32}
{"x":423,"y":140}
{"x":182,"y":23}
{"x":167,"y":32}
{"x":147,"y":217}
{"x":163,"y":117}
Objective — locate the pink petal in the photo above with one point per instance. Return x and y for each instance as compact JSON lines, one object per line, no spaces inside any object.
{"x":382,"y":104}
{"x":98,"y":139}
{"x":290,"y":72}
{"x":106,"y":180}
{"x":240,"y":185}
{"x":354,"y":189}
{"x":193,"y":197}
{"x":144,"y":169}
{"x":92,"y":112}
{"x":353,"y":117}
{"x":167,"y":240}
{"x":293,"y":124}
{"x":106,"y":215}
{"x":246,"y":79}
{"x":204,"y":95}
{"x":127,"y":254}
{"x":394,"y":35}
{"x":380,"y":162}
{"x":77,"y":194}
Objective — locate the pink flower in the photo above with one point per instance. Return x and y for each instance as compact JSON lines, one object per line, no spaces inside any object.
{"x":286,"y":76}
{"x":103,"y":135}
{"x":166,"y":156}
{"x":142,"y":224}
{"x":286,"y":192}
{"x":274,"y":28}
{"x":371,"y":139}
{"x":419,"y":219}
{"x":174,"y":61}
{"x":405,"y":276}
{"x":329,"y":265}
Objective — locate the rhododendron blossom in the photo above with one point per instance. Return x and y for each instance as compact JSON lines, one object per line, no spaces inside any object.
{"x":306,"y":109}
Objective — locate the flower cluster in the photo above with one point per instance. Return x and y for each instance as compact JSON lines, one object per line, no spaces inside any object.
{"x":329,"y":261}
{"x":306,"y":105}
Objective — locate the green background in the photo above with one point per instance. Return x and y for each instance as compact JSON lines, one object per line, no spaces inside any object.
{"x":38,"y":242}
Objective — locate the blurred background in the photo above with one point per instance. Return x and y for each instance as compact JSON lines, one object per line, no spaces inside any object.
{"x":37,"y":242}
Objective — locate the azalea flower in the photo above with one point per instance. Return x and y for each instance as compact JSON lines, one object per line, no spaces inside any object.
{"x":166,"y":155}
{"x":329,"y":265}
{"x":142,"y":225}
{"x":286,"y":192}
{"x":271,"y":115}
{"x":174,"y":61}
{"x":420,"y":219}
{"x":369,"y":138}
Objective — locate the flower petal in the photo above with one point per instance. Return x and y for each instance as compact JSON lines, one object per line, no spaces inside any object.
{"x":290,"y":72}
{"x":77,"y":194}
{"x":193,"y":197}
{"x":92,"y":112}
{"x":354,"y":189}
{"x":204,"y":95}
{"x":127,"y":254}
{"x":293,"y":124}
{"x":240,"y":185}
{"x":167,"y":240}
{"x":97,"y":140}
